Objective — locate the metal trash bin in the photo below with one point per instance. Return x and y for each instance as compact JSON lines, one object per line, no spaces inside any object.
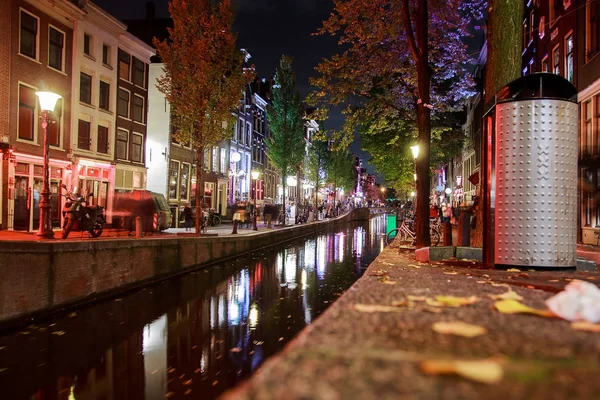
{"x":530,"y":174}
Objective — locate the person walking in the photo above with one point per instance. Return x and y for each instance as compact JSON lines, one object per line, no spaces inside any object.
{"x":188,"y":215}
{"x":446,"y":212}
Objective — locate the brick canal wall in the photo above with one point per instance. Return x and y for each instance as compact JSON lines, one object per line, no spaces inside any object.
{"x":37,"y":277}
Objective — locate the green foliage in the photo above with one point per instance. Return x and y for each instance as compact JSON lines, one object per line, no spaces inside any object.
{"x":340,"y":170}
{"x":285,"y":148}
{"x":316,"y":164}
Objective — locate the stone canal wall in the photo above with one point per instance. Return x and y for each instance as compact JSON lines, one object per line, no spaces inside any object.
{"x":36,"y":277}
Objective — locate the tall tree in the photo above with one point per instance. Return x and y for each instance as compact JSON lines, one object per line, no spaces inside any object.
{"x":504,"y":46}
{"x":316,"y":164}
{"x":397,"y":66}
{"x":340,"y":171}
{"x":203,"y":77}
{"x":285,"y":148}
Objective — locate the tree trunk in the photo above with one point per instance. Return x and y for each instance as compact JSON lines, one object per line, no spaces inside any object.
{"x":424,"y":126}
{"x":199,"y":185}
{"x":283,"y":184}
{"x":504,"y":40}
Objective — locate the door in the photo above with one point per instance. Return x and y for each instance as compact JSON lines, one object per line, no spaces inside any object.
{"x":22,"y":206}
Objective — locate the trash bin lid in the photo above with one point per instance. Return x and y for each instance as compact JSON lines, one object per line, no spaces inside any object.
{"x":541,"y":85}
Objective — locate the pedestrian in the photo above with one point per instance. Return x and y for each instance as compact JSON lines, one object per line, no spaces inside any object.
{"x":446,"y":212}
{"x":188,"y":216}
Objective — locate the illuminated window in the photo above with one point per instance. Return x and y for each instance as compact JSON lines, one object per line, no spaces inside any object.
{"x":26,"y":112}
{"x":531,"y":25}
{"x":569,"y":58}
{"x":122,"y":146}
{"x":545,"y":67}
{"x":137,"y":146}
{"x":124,"y":62}
{"x":185,"y":180}
{"x":173,"y":179}
{"x":556,"y":60}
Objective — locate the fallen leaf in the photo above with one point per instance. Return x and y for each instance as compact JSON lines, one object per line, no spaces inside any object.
{"x":58,"y":333}
{"x":500,"y":284}
{"x":554,"y":280}
{"x":585,"y":326}
{"x":372,"y":308}
{"x":510,"y":295}
{"x":187,"y":383}
{"x":73,"y":314}
{"x":414,"y":266}
{"x":485,"y":275}
{"x":482,"y":281}
{"x":432,"y":310}
{"x":416,"y":298}
{"x":171,"y":370}
{"x":523,"y":275}
{"x":513,"y":270}
{"x":511,"y":306}
{"x":197,"y":370}
{"x":235,"y":350}
{"x":170,"y":394}
{"x":485,"y":371}
{"x":215,"y":383}
{"x":378,"y":272}
{"x":459,"y":328}
{"x":389,"y":282}
{"x":188,"y":391}
{"x":450,"y":273}
{"x":433,"y":303}
{"x":590,"y":278}
{"x":399,"y":303}
{"x":452,"y":301}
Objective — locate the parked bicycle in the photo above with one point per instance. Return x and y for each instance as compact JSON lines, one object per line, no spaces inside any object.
{"x":406,"y":232}
{"x":212,"y":217}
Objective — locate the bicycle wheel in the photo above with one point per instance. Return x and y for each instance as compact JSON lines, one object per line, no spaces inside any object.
{"x":435,"y":236}
{"x":216,"y":220}
{"x":391,"y":235}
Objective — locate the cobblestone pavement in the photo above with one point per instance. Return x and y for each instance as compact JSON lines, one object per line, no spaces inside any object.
{"x":349,"y":353}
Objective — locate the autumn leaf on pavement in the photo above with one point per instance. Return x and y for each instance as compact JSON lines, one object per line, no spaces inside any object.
{"x":414,"y":266}
{"x":458,"y":328}
{"x":416,"y":298}
{"x":513,"y":270}
{"x":373,"y":308}
{"x":510,"y":295}
{"x":511,"y":306}
{"x":585,"y":326}
{"x":450,"y":273}
{"x":378,"y":272}
{"x":484,"y":371}
{"x":452,"y":301}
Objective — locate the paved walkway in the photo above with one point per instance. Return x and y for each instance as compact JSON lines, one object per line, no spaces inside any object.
{"x":350,"y":352}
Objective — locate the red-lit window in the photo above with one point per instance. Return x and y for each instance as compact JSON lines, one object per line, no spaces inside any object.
{"x":26,"y":112}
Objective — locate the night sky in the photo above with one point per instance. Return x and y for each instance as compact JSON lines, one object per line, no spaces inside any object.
{"x":267,"y":29}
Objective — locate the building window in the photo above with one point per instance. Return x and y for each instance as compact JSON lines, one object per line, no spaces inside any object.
{"x":26,"y":113}
{"x":124,"y":62}
{"x":85,"y":88}
{"x":569,"y":58}
{"x":240,"y":128}
{"x":552,"y":5}
{"x":55,"y":48}
{"x":185,"y":179}
{"x":248,"y":134}
{"x":545,"y":67}
{"x":137,"y":144}
{"x":592,"y":28}
{"x":215,"y":159}
{"x":102,"y":139}
{"x":525,"y":34}
{"x":104,"y":98}
{"x":138,"y":72}
{"x":223,"y":160}
{"x":531,"y":24}
{"x":556,"y":60}
{"x":87,"y":44}
{"x":29,"y":31}
{"x":122,"y":144}
{"x":55,"y":125}
{"x":138,"y":109}
{"x":106,"y":54}
{"x":587,"y":127}
{"x":173,"y":179}
{"x":123,"y":103}
{"x":83,"y":135}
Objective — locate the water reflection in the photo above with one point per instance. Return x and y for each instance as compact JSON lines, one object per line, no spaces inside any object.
{"x":198,"y":334}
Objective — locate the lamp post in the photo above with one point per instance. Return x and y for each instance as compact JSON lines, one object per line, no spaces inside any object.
{"x":47,"y":103}
{"x":254,"y":175}
{"x":415,"y":153}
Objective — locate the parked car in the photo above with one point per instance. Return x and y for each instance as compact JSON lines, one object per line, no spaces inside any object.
{"x":152,"y":207}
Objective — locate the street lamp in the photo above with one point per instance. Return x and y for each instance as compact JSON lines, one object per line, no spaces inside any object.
{"x":254,"y":175}
{"x":47,"y":103}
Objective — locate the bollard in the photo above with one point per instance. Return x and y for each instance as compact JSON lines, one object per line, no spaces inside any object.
{"x":234,"y":232}
{"x":268,"y":218}
{"x":464,"y":229}
{"x":138,"y":227}
{"x":447,"y":233}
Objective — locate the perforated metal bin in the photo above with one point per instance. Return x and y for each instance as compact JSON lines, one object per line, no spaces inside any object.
{"x":529,"y":165}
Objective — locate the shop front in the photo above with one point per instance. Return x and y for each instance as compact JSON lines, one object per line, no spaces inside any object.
{"x":25,"y":179}
{"x":95,"y":178}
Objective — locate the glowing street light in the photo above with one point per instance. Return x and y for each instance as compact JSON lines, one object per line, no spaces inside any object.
{"x":415,"y":151}
{"x":47,"y":103}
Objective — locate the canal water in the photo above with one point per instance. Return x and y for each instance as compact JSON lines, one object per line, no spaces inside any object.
{"x":193,"y":336}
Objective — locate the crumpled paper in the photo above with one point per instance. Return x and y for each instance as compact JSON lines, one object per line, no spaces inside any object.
{"x":579,"y":301}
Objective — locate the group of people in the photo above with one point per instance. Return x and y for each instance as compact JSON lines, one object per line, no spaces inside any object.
{"x":444,"y":213}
